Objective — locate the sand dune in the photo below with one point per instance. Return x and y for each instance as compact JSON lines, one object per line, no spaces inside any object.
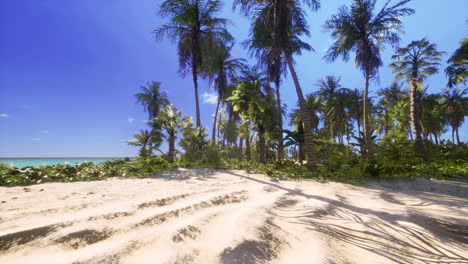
{"x":206,"y":216}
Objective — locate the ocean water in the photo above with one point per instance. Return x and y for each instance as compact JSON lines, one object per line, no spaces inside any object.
{"x":23,"y":162}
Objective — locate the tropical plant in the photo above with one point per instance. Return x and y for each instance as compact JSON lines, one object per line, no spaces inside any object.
{"x":196,"y":29}
{"x":278,"y":25}
{"x":360,"y":30}
{"x":388,"y":107}
{"x":335,"y":100}
{"x":253,"y":99}
{"x":269,"y":58}
{"x":455,"y":106}
{"x":172,"y":123}
{"x":193,"y":141}
{"x":415,"y":62}
{"x":153,"y":100}
{"x":295,"y":138}
{"x":222,"y":71}
{"x":457,"y":71}
{"x":142,"y":140}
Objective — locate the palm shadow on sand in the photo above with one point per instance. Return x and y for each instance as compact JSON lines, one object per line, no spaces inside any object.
{"x":182,"y":174}
{"x":386,"y":234}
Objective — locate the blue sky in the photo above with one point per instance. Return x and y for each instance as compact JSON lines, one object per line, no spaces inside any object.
{"x":69,"y":69}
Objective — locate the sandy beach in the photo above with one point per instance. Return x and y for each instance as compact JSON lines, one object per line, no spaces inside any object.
{"x":209,"y":216}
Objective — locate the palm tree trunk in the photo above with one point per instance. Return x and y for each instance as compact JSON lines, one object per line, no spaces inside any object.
{"x":410,"y":132}
{"x":247,"y":147}
{"x":261,"y":145}
{"x":301,"y":154}
{"x":280,"y":121}
{"x":306,"y":119}
{"x":453,"y":135}
{"x":358,"y":127}
{"x":436,"y":139}
{"x":458,"y":137}
{"x":213,"y":137}
{"x":171,"y":153}
{"x":367,"y":131}
{"x":241,"y":145}
{"x":415,"y":122}
{"x":195,"y":84}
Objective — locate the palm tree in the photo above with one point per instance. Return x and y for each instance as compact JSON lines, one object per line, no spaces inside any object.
{"x":284,"y":21}
{"x":196,"y":29}
{"x":355,"y":106}
{"x":253,"y":100}
{"x":358,"y":29}
{"x":390,"y":96}
{"x":455,"y":106}
{"x":261,"y":46}
{"x":153,"y":100}
{"x":295,"y":138}
{"x":335,"y":99}
{"x":222,"y":72}
{"x":457,"y":71}
{"x":172,"y":122}
{"x":415,"y":62}
{"x":142,"y":140}
{"x":431,"y":115}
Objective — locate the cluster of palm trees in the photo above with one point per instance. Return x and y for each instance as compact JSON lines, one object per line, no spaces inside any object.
{"x":165,"y":121}
{"x":252,"y":104}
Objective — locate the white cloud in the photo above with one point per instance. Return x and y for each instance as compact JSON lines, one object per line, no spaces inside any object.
{"x":44,"y":131}
{"x":131,"y":119}
{"x":4,"y":115}
{"x":36,"y":139}
{"x":209,"y":98}
{"x":24,"y":107}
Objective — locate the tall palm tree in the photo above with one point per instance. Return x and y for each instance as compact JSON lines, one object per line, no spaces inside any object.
{"x":261,"y":45}
{"x":222,"y":71}
{"x":457,"y":71}
{"x":172,"y":122}
{"x":196,"y":29}
{"x":284,"y":21}
{"x":153,"y":100}
{"x":455,"y":105}
{"x":142,"y":140}
{"x":415,"y":62}
{"x":360,"y":30}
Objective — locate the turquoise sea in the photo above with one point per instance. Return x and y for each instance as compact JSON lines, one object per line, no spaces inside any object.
{"x":23,"y":162}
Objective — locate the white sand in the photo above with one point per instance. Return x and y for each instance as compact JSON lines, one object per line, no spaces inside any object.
{"x":205,"y":216}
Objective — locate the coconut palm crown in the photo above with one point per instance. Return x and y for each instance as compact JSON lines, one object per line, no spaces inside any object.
{"x":193,"y":24}
{"x":361,"y":30}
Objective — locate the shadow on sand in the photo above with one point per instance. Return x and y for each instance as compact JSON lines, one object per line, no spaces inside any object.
{"x":182,"y":174}
{"x":385,"y":234}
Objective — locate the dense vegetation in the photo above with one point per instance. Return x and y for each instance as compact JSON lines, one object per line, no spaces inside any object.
{"x":337,"y":132}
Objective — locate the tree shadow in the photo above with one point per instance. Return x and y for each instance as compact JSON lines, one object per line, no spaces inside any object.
{"x":385,"y":233}
{"x":452,"y":193}
{"x":182,"y":174}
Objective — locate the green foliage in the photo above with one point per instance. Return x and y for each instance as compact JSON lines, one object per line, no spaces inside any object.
{"x":211,"y":157}
{"x":193,"y":142}
{"x":87,"y":171}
